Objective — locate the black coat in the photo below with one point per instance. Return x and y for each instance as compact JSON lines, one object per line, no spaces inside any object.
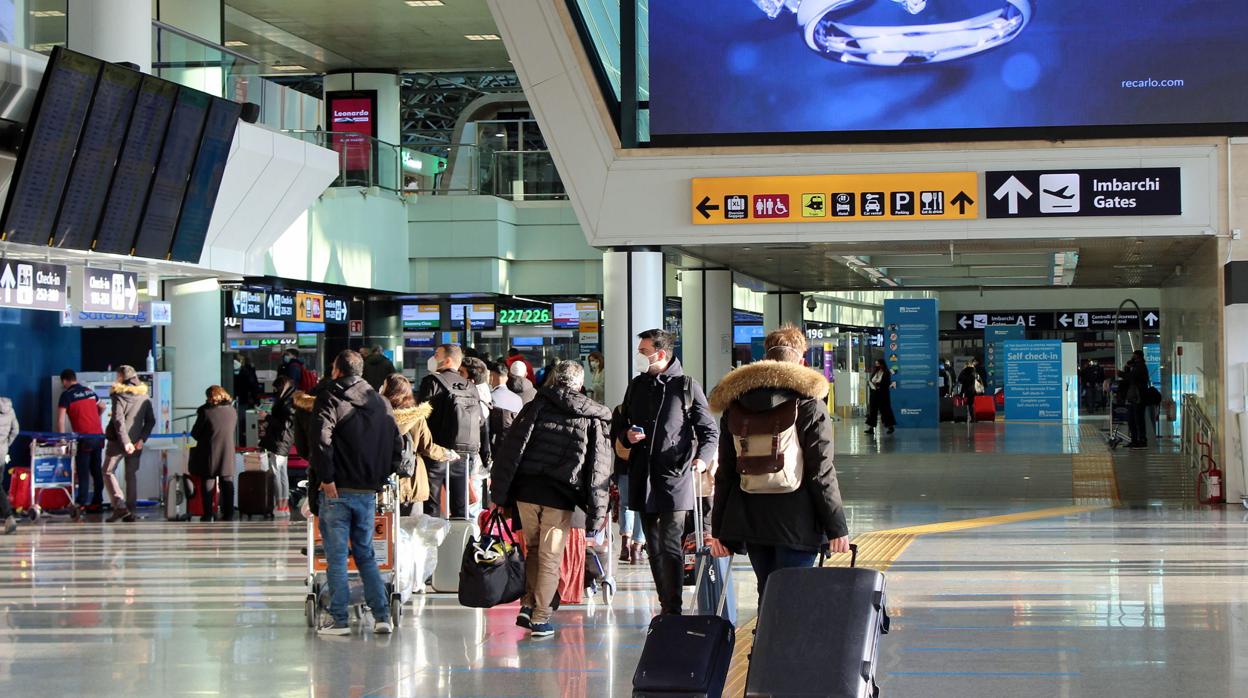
{"x":966,"y":382}
{"x":679,"y":428}
{"x":247,"y":388}
{"x":357,"y":444}
{"x":214,"y":433}
{"x":562,"y":437}
{"x":810,"y":515}
{"x":880,"y":396}
{"x":377,"y":368}
{"x":448,"y":415}
{"x":279,"y":428}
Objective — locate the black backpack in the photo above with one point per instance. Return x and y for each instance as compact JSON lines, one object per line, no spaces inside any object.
{"x":460,"y":425}
{"x":407,"y":463}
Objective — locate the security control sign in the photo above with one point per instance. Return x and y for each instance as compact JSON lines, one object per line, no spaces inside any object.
{"x":33,"y":285}
{"x":1146,"y":191}
{"x":836,"y":198}
{"x":108,"y":291}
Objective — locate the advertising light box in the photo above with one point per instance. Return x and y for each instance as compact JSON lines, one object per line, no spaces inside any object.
{"x":776,"y":71}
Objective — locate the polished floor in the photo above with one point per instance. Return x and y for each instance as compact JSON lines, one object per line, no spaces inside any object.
{"x":1136,"y":591}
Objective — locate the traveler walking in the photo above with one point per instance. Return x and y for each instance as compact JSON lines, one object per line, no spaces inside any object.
{"x":9,"y":428}
{"x":774,"y":416}
{"x":279,"y":436}
{"x":1135,"y":385}
{"x":879,"y":399}
{"x":456,"y":425}
{"x":212,"y":458}
{"x":632,"y":533}
{"x":83,"y":409}
{"x":377,"y":367}
{"x":556,"y":458}
{"x":356,"y":450}
{"x":597,"y":377}
{"x":970,"y":384}
{"x":131,"y":424}
{"x":671,"y":431}
{"x":412,"y":421}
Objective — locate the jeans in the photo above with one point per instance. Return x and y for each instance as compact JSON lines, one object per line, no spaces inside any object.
{"x":90,"y":467}
{"x":348,"y":520}
{"x":113,"y":461}
{"x":458,"y":497}
{"x":665,"y":533}
{"x":630,"y":521}
{"x":545,"y":534}
{"x":766,"y":559}
{"x":278,"y":465}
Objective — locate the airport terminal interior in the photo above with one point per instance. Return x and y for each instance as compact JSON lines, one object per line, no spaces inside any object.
{"x":1010,"y":243}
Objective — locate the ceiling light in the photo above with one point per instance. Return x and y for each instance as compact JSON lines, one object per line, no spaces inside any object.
{"x":289,"y":68}
{"x":235,"y":43}
{"x":482,"y":37}
{"x":424,"y":3}
{"x":47,"y":13}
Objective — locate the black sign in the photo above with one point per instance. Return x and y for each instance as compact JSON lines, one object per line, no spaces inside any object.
{"x":108,"y":291}
{"x":1148,"y":191}
{"x":1094,"y":320}
{"x":336,"y":310}
{"x":980,"y":320}
{"x":280,"y":305}
{"x":244,"y":303}
{"x":33,"y":285}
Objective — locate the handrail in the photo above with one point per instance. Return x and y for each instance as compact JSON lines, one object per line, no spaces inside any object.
{"x":203,"y":42}
{"x":344,"y":134}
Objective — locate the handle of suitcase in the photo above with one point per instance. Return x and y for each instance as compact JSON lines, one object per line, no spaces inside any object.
{"x":704,"y":551}
{"x":824,"y":552}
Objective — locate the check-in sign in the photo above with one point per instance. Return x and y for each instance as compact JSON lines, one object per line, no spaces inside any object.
{"x":836,"y":198}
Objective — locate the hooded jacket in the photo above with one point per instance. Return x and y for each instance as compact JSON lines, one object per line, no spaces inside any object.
{"x":559,"y":441}
{"x":376,"y":369}
{"x":676,"y":434}
{"x":414,"y":421}
{"x":357,"y":445}
{"x":810,"y":515}
{"x":279,"y":428}
{"x":133,"y":418}
{"x":9,"y":426}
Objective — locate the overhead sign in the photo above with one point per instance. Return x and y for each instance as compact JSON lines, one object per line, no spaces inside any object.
{"x":279,"y":305}
{"x":108,"y":291}
{"x":836,"y":198}
{"x":979,"y":320}
{"x":337,"y":310}
{"x":1090,"y":320}
{"x":33,"y":285}
{"x":245,"y":303}
{"x":309,"y":307}
{"x":1147,"y":191}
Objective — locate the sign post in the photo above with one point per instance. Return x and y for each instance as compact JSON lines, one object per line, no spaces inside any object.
{"x":911,"y":348}
{"x":1144,"y":191}
{"x":108,"y":291}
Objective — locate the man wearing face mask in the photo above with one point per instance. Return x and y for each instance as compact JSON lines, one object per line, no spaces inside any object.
{"x":456,"y":425}
{"x":671,"y":432}
{"x":292,"y":366}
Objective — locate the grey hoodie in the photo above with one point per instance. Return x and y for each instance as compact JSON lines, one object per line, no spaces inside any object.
{"x":8,"y":425}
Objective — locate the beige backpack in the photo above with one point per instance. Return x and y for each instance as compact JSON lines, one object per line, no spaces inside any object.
{"x":769,"y":452}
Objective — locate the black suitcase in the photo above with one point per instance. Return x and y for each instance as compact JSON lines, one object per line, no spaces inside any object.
{"x":829,"y":648}
{"x":685,"y":656}
{"x":257,"y":493}
{"x":947,"y":410}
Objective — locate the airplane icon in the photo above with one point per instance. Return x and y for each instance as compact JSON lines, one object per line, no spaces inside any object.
{"x":1063,"y":193}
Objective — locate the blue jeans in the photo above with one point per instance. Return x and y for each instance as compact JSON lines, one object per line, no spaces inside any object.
{"x":350,"y":518}
{"x":630,"y":521}
{"x":90,"y":467}
{"x":766,"y":559}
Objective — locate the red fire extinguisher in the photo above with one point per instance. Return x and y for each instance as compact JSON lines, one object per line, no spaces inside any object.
{"x":1168,"y":409}
{"x":1209,"y":483}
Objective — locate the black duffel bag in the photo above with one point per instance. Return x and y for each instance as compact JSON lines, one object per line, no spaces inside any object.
{"x":492,"y":570}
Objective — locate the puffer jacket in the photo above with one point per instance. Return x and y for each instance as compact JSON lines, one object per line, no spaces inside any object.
{"x":810,"y":515}
{"x":133,"y":418}
{"x":414,"y":421}
{"x":562,"y":436}
{"x":9,"y":427}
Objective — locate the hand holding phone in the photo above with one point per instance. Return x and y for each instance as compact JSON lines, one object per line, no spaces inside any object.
{"x":636,"y":434}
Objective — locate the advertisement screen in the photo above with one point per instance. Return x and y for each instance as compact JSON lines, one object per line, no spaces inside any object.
{"x":421,"y":317}
{"x":572,"y":316}
{"x":355,"y":114}
{"x":874,"y":70}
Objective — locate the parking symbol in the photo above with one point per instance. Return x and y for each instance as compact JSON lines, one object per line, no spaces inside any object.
{"x":842,"y":204}
{"x":736,"y":207}
{"x":932,"y":203}
{"x":903,"y":203}
{"x":873,"y":203}
{"x":813,"y":206}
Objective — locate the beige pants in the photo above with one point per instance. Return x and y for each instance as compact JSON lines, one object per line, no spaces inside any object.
{"x":545,"y":534}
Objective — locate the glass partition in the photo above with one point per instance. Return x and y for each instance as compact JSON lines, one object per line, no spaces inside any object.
{"x":363,"y":161}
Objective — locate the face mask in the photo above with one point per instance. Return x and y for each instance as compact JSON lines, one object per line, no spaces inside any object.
{"x":433,"y":364}
{"x":237,"y":366}
{"x":641,"y":363}
{"x":285,"y":358}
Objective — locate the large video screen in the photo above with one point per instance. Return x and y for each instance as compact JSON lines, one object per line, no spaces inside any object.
{"x":908,"y":70}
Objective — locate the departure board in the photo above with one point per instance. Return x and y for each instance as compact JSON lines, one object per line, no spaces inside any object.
{"x":164,"y":202}
{"x":92,"y":171}
{"x":205,"y":181}
{"x":48,"y":147}
{"x":133,"y":176}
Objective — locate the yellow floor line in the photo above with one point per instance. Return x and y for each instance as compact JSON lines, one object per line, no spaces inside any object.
{"x":1094,"y":481}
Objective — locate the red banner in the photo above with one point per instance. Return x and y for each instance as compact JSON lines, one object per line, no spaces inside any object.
{"x":355,"y":117}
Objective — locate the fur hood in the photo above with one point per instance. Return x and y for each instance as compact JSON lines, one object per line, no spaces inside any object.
{"x":304,"y":401}
{"x":408,"y":417}
{"x":775,"y":375}
{"x":128,"y":389}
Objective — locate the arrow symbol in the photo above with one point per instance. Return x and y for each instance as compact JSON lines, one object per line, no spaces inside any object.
{"x":964,"y":321}
{"x":8,"y":282}
{"x":1151,"y":319}
{"x":1065,"y":320}
{"x":132,"y":294}
{"x":962,"y":201}
{"x":1013,"y":189}
{"x":705,"y":207}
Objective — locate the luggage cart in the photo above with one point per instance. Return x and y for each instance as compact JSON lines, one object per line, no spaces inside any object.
{"x":604,"y":583}
{"x":52,"y":467}
{"x":385,"y":548}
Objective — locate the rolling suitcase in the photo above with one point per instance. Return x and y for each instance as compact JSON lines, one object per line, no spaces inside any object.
{"x":175,"y":499}
{"x":948,"y":412}
{"x":451,"y":551}
{"x":712,"y":576}
{"x":985,"y":408}
{"x":193,"y":487}
{"x":796,"y":654}
{"x":257,"y":493}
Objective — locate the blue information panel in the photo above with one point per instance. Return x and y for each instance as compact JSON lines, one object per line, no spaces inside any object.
{"x":1033,"y":380}
{"x":52,"y":470}
{"x":911,"y":348}
{"x":1152,"y":357}
{"x":995,"y":337}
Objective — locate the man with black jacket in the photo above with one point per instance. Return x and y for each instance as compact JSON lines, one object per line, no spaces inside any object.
{"x":456,"y":425}
{"x":777,"y":529}
{"x":555,"y":459}
{"x":357,"y":448}
{"x":670,"y":431}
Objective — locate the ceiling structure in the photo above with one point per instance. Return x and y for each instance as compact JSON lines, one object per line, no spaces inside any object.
{"x":1145,"y":262}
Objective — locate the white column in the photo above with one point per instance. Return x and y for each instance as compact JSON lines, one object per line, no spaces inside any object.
{"x":782,"y":308}
{"x":706,"y":324}
{"x":112,"y":30}
{"x":632,"y":303}
{"x":193,"y":341}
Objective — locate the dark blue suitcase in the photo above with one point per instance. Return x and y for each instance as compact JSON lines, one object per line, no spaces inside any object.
{"x":685,"y":656}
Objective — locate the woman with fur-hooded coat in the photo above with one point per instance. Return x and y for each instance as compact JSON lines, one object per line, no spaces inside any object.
{"x":413,"y":419}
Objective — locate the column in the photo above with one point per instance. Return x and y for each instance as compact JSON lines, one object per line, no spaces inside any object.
{"x":112,"y":30}
{"x":706,"y":304}
{"x":632,"y":303}
{"x":385,"y":85}
{"x":193,"y":341}
{"x":782,"y":308}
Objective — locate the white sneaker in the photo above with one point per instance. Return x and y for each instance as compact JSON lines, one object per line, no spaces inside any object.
{"x":383,"y":627}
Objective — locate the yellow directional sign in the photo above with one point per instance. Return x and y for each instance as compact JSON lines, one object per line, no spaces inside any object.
{"x":916,"y":197}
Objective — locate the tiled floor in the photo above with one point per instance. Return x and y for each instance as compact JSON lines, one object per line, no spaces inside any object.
{"x":1144,"y":599}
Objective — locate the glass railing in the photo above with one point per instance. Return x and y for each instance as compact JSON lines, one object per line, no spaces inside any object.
{"x":363,"y":161}
{"x":522,"y":175}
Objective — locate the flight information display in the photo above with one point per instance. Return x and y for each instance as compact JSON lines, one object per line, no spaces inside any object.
{"x":164,"y":202}
{"x":205,"y":181}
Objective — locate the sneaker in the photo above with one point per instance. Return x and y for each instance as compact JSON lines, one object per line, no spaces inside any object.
{"x":525,"y":618}
{"x":282,"y":513}
{"x":382,"y":627}
{"x":333,"y":628}
{"x":10,"y":526}
{"x":117,"y":515}
{"x":541,"y":630}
